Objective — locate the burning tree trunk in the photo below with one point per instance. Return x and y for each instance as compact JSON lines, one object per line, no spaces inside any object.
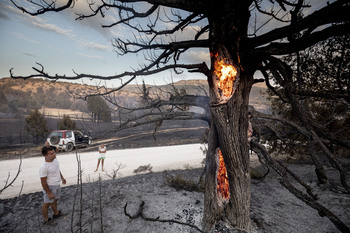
{"x":225,"y":76}
{"x":229,"y":85}
{"x":229,"y":89}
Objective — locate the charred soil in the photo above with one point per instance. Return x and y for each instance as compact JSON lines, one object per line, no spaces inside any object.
{"x":97,"y":206}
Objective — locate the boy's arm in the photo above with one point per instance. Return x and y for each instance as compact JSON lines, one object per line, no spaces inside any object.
{"x":62,"y":178}
{"x":46,"y":187}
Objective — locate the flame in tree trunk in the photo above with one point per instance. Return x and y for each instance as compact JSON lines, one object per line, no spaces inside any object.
{"x":225,"y":76}
{"x":222,"y":179}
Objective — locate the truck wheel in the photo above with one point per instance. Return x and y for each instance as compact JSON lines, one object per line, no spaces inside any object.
{"x":69,"y":146}
{"x":55,"y":139}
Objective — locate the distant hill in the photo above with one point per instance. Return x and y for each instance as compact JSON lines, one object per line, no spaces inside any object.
{"x":20,"y":96}
{"x":257,"y":96}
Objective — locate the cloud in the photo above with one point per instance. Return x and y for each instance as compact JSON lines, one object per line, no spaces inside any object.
{"x":30,"y":55}
{"x":95,"y":46}
{"x":5,"y":10}
{"x":94,"y":23}
{"x":23,"y":37}
{"x":89,"y":56}
{"x":197,"y":56}
{"x":3,"y":15}
{"x":40,"y":23}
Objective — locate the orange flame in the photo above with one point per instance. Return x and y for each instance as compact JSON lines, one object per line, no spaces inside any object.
{"x":222,"y":180}
{"x":227,"y":75}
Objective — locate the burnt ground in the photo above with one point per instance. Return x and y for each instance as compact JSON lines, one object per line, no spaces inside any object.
{"x":132,"y":138}
{"x":273,"y":208}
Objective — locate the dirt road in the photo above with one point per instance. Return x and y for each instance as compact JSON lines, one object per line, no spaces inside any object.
{"x":159,"y":158}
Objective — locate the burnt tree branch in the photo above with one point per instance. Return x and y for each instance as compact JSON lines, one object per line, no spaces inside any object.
{"x":7,"y":183}
{"x":304,"y":42}
{"x":140,"y":213}
{"x":142,"y":72}
{"x":333,"y":13}
{"x":261,"y":151}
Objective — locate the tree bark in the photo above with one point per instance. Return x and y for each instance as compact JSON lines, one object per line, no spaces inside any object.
{"x":230,"y":120}
{"x":228,"y":129}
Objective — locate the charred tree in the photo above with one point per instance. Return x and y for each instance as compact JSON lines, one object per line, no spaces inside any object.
{"x":236,"y":53}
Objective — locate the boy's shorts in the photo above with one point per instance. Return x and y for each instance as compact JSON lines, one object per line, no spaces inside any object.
{"x":56,"y":190}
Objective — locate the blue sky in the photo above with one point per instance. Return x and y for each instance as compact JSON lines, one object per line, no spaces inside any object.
{"x":62,"y":44}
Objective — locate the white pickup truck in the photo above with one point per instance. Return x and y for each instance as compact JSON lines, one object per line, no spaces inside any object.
{"x":67,"y":140}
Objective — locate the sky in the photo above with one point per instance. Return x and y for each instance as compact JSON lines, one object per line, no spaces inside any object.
{"x":62,"y":44}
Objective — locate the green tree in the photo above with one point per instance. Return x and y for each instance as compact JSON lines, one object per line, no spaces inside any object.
{"x":36,"y":125}
{"x":66,"y":123}
{"x":320,"y":76}
{"x":3,"y":101}
{"x":98,"y":109}
{"x":79,"y":104}
{"x":322,"y":89}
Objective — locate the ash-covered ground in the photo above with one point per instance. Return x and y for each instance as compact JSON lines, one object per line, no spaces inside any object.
{"x":273,"y":208}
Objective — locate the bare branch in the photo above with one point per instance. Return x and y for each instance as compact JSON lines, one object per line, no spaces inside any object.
{"x":333,"y":13}
{"x":45,"y":7}
{"x":140,"y":213}
{"x":305,"y":41}
{"x":142,"y":72}
{"x":7,"y":183}
{"x":323,"y":211}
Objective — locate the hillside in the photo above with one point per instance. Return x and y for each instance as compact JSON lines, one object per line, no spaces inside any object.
{"x":20,"y":96}
{"x":55,"y":99}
